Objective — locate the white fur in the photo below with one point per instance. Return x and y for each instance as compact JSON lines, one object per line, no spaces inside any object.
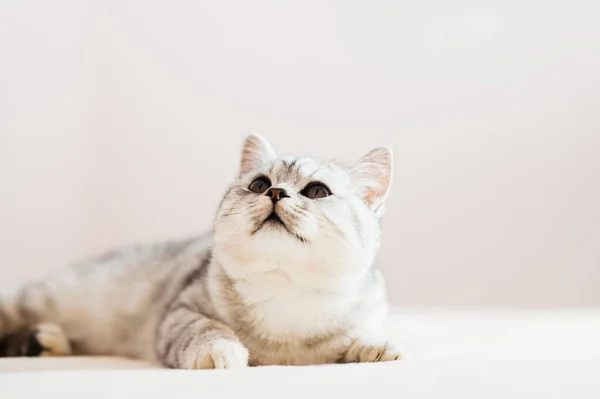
{"x":296,"y":287}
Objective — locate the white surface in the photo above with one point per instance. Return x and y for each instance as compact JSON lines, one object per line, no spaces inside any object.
{"x":121,"y":121}
{"x":463,"y":354}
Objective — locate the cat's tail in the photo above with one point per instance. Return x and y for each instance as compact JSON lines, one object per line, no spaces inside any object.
{"x":23,"y":329}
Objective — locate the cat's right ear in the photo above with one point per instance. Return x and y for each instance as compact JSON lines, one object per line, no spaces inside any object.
{"x":255,"y":152}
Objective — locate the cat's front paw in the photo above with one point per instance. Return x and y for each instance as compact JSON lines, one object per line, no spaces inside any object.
{"x":218,"y":354}
{"x":369,"y":352}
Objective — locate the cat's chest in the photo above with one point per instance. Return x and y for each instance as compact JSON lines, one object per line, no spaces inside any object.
{"x":285,"y":325}
{"x":279,"y":310}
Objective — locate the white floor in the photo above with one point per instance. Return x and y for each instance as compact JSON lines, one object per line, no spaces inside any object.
{"x":463,"y":354}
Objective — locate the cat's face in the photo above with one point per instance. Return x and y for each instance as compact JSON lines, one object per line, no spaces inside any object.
{"x":312,"y":222}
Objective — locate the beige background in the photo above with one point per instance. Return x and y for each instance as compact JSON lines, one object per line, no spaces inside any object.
{"x":121,"y":121}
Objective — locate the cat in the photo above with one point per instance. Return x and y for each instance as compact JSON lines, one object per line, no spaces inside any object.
{"x":286,"y":277}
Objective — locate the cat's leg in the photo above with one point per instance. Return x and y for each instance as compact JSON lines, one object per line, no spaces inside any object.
{"x":186,"y":339}
{"x":371,"y":349}
{"x":44,"y":339}
{"x":23,"y":331}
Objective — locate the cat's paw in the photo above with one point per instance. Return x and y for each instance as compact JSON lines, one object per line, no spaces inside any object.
{"x":219,"y":354}
{"x":369,"y":352}
{"x":48,"y":339}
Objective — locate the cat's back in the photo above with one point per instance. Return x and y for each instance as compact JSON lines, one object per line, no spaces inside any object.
{"x":147,"y":259}
{"x":141,"y":273}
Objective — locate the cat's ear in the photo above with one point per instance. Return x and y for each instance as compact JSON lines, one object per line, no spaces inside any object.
{"x":372,"y":175}
{"x":256,"y":150}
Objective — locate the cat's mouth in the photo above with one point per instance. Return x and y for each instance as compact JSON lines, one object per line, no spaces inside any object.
{"x":274,"y":220}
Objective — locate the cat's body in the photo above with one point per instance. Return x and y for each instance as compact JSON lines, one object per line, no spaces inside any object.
{"x":284,"y":278}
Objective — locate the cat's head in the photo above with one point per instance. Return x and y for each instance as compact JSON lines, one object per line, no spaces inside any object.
{"x":313,"y":222}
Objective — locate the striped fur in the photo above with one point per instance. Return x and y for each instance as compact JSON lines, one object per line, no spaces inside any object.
{"x":303,"y":291}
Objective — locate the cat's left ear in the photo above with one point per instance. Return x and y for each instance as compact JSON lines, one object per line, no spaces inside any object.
{"x":372,"y":174}
{"x":256,"y":150}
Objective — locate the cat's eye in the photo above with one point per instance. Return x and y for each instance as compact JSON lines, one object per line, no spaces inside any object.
{"x":260,"y":185}
{"x":316,"y":190}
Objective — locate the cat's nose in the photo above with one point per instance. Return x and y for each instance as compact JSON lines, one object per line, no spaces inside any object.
{"x":276,"y":194}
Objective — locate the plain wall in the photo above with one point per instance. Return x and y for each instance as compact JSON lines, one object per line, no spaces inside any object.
{"x":121,"y":122}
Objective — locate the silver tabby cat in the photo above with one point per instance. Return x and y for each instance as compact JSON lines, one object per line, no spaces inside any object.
{"x":287,"y":277}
